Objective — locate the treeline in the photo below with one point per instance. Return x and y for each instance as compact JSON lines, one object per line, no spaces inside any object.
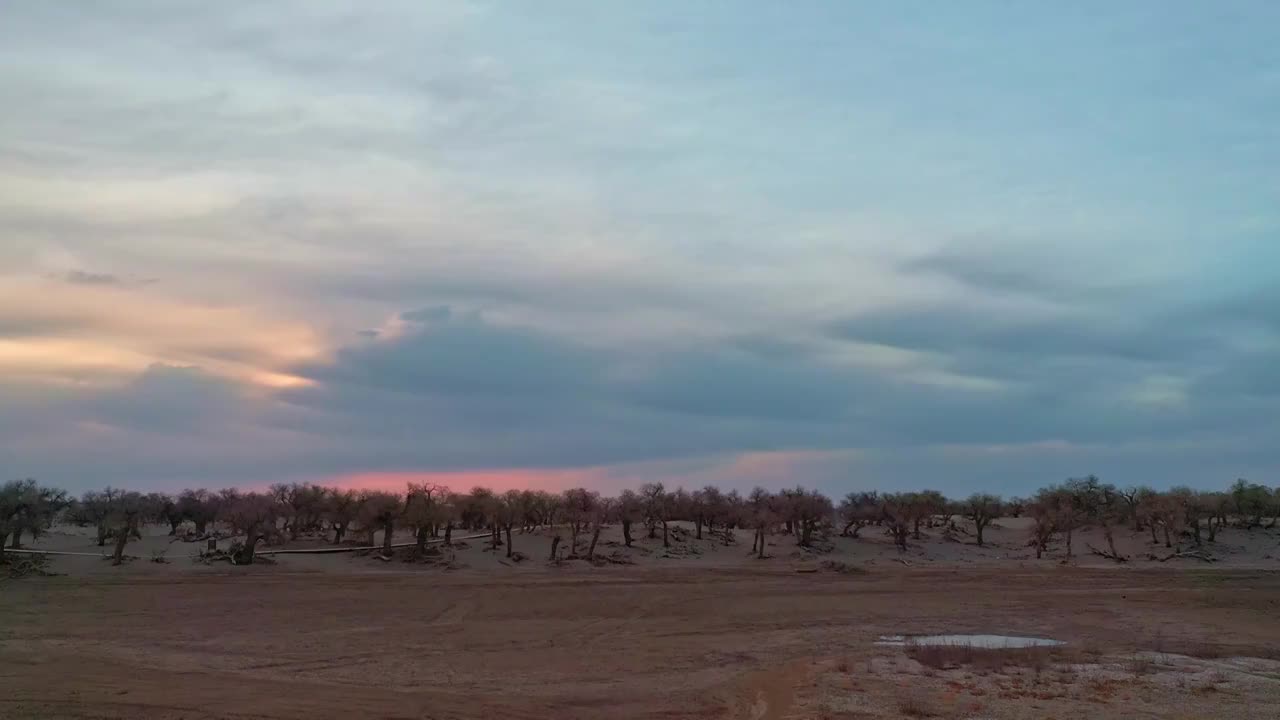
{"x":431,"y":512}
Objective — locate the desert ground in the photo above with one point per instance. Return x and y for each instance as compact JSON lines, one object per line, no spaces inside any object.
{"x":697,"y":630}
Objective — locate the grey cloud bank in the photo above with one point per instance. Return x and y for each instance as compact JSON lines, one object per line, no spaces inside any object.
{"x":438,"y":238}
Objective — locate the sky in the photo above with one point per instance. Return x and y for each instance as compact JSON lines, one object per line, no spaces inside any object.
{"x":875,"y":245}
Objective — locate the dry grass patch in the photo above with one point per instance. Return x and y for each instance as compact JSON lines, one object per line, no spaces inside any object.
{"x":1140,"y":665}
{"x":19,"y":566}
{"x":917,"y":706}
{"x":1195,"y":649}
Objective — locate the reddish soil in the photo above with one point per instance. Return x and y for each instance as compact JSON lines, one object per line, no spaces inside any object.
{"x":619,"y":642}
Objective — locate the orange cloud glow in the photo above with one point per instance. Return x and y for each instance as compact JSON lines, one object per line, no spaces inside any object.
{"x":106,"y":333}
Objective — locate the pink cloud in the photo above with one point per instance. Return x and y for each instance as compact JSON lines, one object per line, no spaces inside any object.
{"x":772,"y":469}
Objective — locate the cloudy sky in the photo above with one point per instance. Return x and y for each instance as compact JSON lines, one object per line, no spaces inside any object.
{"x":850,"y":245}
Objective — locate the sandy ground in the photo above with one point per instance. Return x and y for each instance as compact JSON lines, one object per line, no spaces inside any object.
{"x":706,"y":633}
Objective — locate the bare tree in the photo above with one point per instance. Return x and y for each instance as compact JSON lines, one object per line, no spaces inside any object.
{"x":807,"y":511}
{"x":302,"y":504}
{"x":253,"y":515}
{"x":26,"y":506}
{"x":1044,"y":513}
{"x":128,"y":513}
{"x":515,"y":507}
{"x":451,"y":512}
{"x":200,"y":507}
{"x":579,"y":506}
{"x":1250,"y":501}
{"x":900,"y":513}
{"x":928,"y":503}
{"x":762,"y":508}
{"x":1172,"y":508}
{"x":857,"y":510}
{"x":1015,"y":506}
{"x":167,"y":511}
{"x":1198,"y":507}
{"x":655,"y":501}
{"x":423,"y":510}
{"x":982,"y":509}
{"x":1071,"y":502}
{"x":96,"y":508}
{"x":707,"y":507}
{"x":380,"y":510}
{"x":630,"y":509}
{"x":340,"y":509}
{"x":1133,"y":498}
{"x":604,"y":507}
{"x":731,"y":514}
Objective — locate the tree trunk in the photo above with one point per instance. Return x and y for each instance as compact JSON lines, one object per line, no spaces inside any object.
{"x":250,"y":547}
{"x":595,"y":538}
{"x":555,"y":545}
{"x":697,"y":523}
{"x":386,"y":538}
{"x":201,"y":526}
{"x":760,"y":554}
{"x":1039,"y":549}
{"x":653,"y":530}
{"x":422,"y":539}
{"x":755,"y":540}
{"x":121,"y":538}
{"x":448,"y":534}
{"x":1111,"y":540}
{"x":1213,"y":531}
{"x":1154,"y":539}
{"x":1195,"y":529}
{"x":666,"y":543}
{"x":508,"y":540}
{"x":1070,"y":533}
{"x":338,"y":532}
{"x":3,"y":536}
{"x":916,"y":532}
{"x":573,"y":540}
{"x":626,"y":532}
{"x":1167,"y":542}
{"x":979,"y":526}
{"x":173,"y":527}
{"x":17,"y":539}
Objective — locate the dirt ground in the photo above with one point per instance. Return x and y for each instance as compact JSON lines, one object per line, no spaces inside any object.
{"x":679,"y":637}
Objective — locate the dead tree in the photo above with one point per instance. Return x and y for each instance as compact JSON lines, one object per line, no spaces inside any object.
{"x":982,"y":509}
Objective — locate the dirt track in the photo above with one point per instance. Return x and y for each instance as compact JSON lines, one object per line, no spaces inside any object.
{"x":579,"y":643}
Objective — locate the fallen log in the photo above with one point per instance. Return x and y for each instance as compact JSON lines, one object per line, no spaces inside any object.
{"x":1198,"y":555}
{"x":1108,"y":555}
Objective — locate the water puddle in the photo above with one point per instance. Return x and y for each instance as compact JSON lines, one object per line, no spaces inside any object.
{"x":998,"y":642}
